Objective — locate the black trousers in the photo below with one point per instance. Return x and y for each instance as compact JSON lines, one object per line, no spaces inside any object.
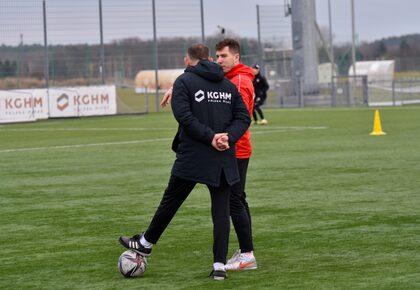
{"x":260,"y":112}
{"x":175,"y":194}
{"x":257,"y":108}
{"x":239,"y":209}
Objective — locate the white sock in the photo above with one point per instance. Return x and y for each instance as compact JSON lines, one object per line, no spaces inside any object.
{"x":218,"y":266}
{"x":145,"y":243}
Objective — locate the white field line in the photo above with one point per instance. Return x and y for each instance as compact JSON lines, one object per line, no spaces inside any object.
{"x":84,"y":145}
{"x":280,"y":129}
{"x":264,"y":131}
{"x":269,"y":127}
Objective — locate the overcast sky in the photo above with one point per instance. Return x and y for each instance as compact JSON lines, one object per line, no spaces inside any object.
{"x":375,"y":19}
{"x":77,"y":21}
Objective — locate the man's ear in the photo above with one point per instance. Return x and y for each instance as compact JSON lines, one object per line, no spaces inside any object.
{"x":237,"y":58}
{"x":186,"y":60}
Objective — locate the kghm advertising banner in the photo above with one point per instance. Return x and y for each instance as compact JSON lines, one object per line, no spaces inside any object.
{"x":82,"y":101}
{"x":23,"y":105}
{"x":30,"y":105}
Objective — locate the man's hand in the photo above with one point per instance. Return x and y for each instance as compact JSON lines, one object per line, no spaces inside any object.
{"x":223,"y":142}
{"x":166,"y":98}
{"x":220,"y":141}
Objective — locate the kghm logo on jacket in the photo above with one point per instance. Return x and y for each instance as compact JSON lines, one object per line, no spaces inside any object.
{"x":199,"y":96}
{"x":213,"y":97}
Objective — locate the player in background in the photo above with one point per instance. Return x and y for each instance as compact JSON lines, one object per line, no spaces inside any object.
{"x":261,"y":87}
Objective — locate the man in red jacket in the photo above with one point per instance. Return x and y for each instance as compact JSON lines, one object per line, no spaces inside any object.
{"x":228,"y":54}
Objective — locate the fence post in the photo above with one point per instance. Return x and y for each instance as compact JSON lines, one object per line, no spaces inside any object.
{"x":51,"y":72}
{"x":155,"y":52}
{"x":102,"y":61}
{"x":333,"y":92}
{"x":86,"y":59}
{"x":47,"y":61}
{"x":147,"y":99}
{"x":348,"y":92}
{"x":393,"y":92}
{"x":18,"y":58}
{"x":365,"y":90}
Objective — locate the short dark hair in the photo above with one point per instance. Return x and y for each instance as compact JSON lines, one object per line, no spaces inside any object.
{"x":198,"y":51}
{"x":233,"y":45}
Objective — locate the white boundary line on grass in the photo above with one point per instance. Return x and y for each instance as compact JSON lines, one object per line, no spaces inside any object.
{"x":271,"y":128}
{"x":263,"y":131}
{"x":281,"y":129}
{"x":85,"y":145}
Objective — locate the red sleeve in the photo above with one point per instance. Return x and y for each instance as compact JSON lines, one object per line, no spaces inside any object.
{"x":246,"y":89}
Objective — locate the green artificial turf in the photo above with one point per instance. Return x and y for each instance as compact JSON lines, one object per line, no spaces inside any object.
{"x":332,"y":206}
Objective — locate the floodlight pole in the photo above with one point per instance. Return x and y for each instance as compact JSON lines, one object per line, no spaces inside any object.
{"x":260,"y":48}
{"x":332,"y":55}
{"x":305,"y":52}
{"x":202,"y":21}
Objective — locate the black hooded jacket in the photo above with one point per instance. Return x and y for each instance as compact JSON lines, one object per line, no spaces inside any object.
{"x":261,"y":87}
{"x":204,"y":103}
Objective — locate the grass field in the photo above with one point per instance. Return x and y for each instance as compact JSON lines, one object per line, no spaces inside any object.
{"x":333,"y":208}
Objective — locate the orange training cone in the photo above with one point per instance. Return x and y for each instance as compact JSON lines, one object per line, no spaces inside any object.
{"x":377,"y":128}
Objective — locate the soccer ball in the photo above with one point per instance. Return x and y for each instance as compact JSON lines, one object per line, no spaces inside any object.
{"x":132,"y":264}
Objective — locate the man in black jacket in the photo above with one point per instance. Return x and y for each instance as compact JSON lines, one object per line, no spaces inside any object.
{"x":211,"y":117}
{"x":261,"y":87}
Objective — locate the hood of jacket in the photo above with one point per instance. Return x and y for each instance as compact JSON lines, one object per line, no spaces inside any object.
{"x":240,"y":69}
{"x":206,"y":69}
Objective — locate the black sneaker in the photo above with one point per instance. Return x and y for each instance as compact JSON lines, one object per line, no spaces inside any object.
{"x":219,"y":274}
{"x":134,"y":244}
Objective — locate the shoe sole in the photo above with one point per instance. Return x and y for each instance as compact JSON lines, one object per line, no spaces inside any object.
{"x":219,"y":275}
{"x":254,"y":267}
{"x":248,"y":268}
{"x":243,"y":269}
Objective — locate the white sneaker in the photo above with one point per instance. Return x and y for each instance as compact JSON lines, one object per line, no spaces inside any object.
{"x":235,"y":257}
{"x":263,"y":122}
{"x":241,"y":262}
{"x":218,"y":273}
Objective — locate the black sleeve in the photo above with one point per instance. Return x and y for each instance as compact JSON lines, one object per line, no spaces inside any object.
{"x":241,"y":119}
{"x":265,"y":83}
{"x":181,"y":108}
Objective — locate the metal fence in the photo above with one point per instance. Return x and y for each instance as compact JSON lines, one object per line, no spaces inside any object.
{"x":275,"y":42}
{"x":348,"y":92}
{"x":94,"y":38}
{"x":89,"y":42}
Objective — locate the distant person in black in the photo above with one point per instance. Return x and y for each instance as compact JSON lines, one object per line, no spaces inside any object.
{"x":261,"y":87}
{"x":212,"y":117}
